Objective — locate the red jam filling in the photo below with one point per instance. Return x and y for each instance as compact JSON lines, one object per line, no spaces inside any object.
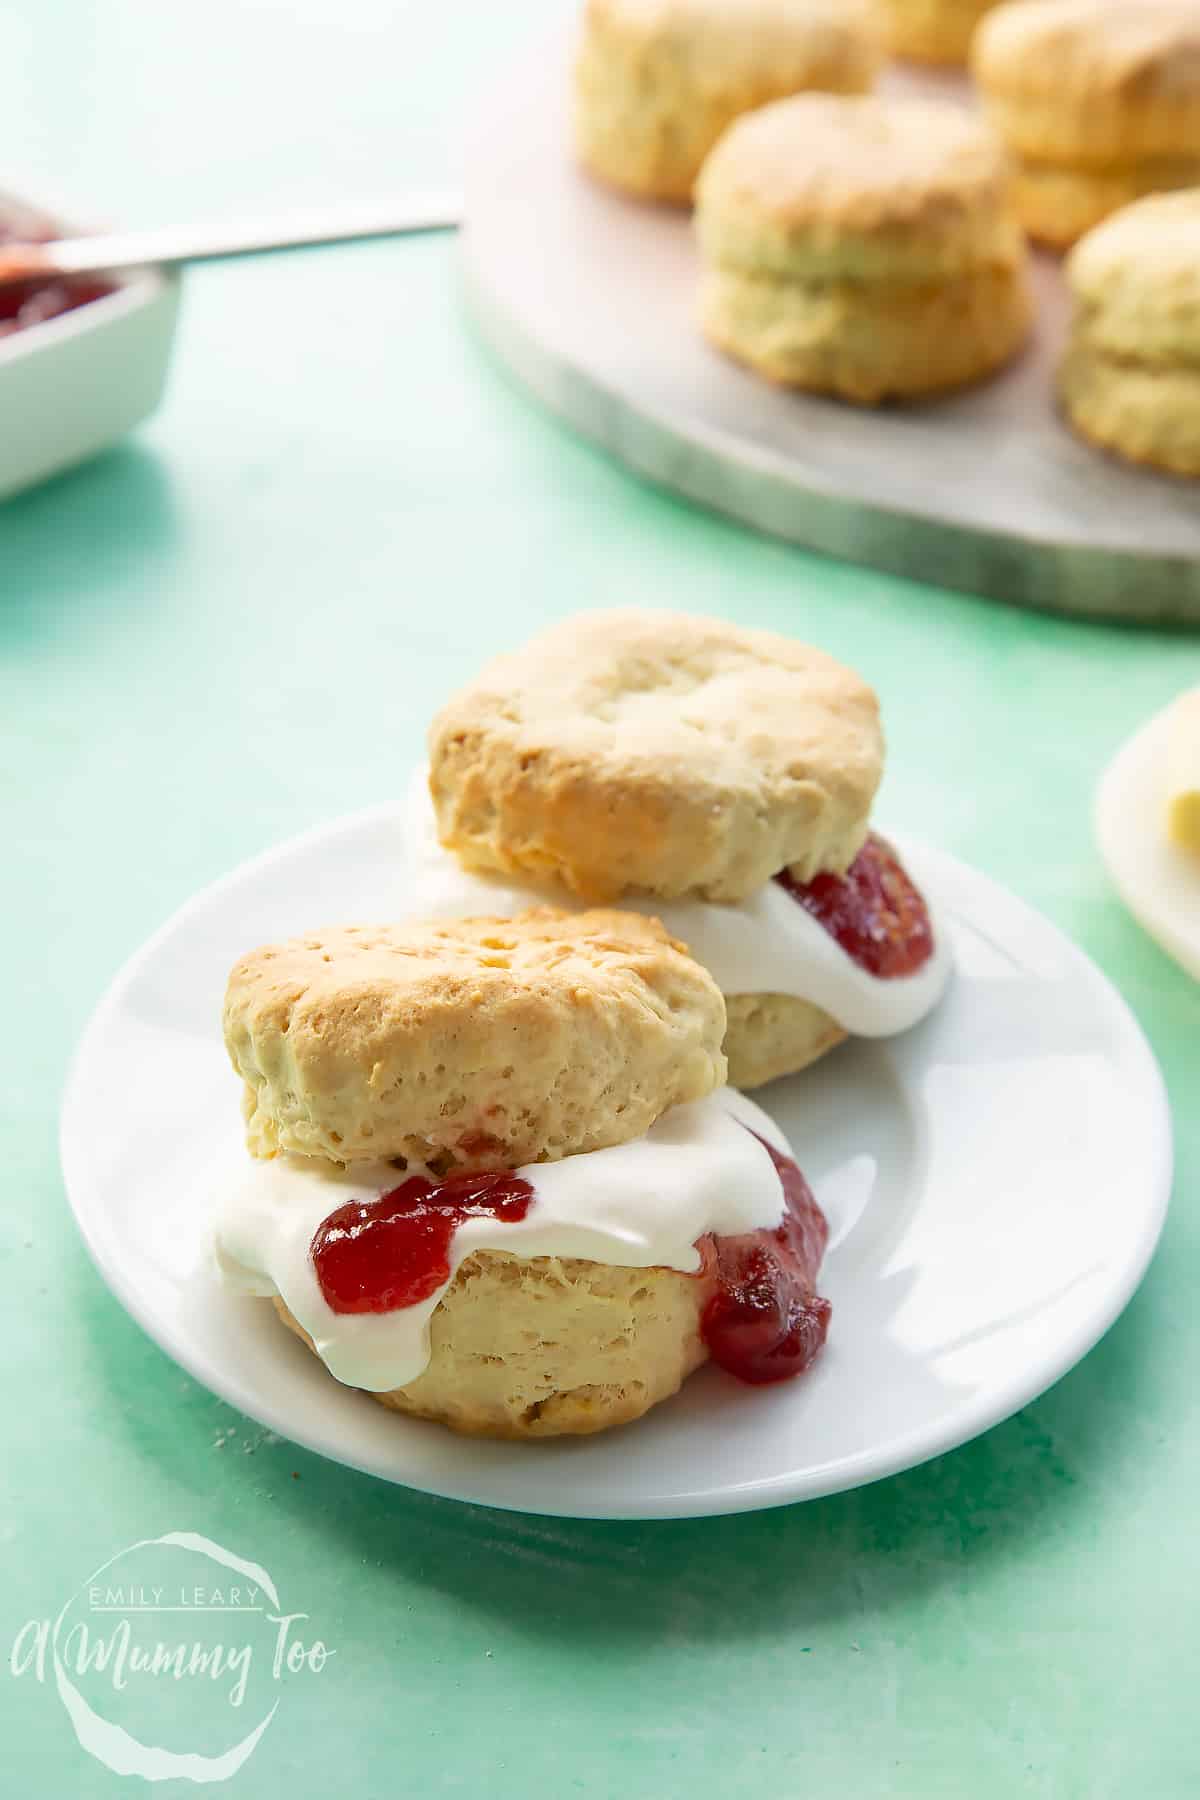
{"x":373,"y":1256}
{"x":873,"y":911}
{"x":766,"y":1321}
{"x":26,"y":303}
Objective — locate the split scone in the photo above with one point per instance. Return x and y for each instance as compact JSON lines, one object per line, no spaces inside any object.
{"x":495,"y":1180}
{"x":657,"y":81}
{"x":720,"y":779}
{"x":865,"y":248}
{"x":1130,"y":378}
{"x":1098,"y":100}
{"x":933,"y":31}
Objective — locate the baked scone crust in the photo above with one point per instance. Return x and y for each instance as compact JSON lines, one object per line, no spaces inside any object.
{"x":1057,"y":205}
{"x":769,"y":1035}
{"x":483,"y":1043}
{"x":658,"y":81}
{"x":817,"y":188}
{"x":1146,"y":412}
{"x":660,"y":753}
{"x":933,"y":31}
{"x":866,"y":342}
{"x":1136,"y":281}
{"x":552,"y":1347}
{"x":1092,"y":82}
{"x":1130,"y":380}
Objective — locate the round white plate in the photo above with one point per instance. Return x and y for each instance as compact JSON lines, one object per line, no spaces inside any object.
{"x":995,"y":1182}
{"x":1159,"y":882}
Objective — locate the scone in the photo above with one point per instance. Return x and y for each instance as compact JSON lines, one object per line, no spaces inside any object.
{"x":1098,"y":100}
{"x":495,"y":1181}
{"x":720,"y":779}
{"x":1130,"y":377}
{"x":657,"y":81}
{"x":933,"y":31}
{"x":864,"y":248}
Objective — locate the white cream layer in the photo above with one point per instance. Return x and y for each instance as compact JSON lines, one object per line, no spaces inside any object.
{"x":640,"y":1205}
{"x":767,"y":944}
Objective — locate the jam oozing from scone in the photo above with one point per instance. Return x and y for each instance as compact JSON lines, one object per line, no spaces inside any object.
{"x":373,"y":1256}
{"x":873,"y":911}
{"x":766,"y":1321}
{"x":25,"y":303}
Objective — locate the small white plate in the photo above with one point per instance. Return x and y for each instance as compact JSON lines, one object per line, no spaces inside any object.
{"x":996,"y":1181}
{"x":1159,"y":882}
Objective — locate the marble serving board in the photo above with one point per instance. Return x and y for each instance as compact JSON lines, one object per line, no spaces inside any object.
{"x":589,"y":299}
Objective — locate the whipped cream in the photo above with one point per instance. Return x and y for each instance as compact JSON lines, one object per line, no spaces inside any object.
{"x":767,"y":944}
{"x":640,"y":1205}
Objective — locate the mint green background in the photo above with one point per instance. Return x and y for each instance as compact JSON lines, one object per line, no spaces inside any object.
{"x":235,"y":627}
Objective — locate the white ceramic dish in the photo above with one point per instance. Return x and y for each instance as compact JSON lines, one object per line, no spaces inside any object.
{"x":78,"y":383}
{"x":995,"y":1180}
{"x":1159,"y":883}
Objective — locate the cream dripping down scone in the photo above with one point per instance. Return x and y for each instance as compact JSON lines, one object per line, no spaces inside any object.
{"x":720,"y":779}
{"x":495,"y":1181}
{"x":1098,"y":100}
{"x":865,"y":248}
{"x":933,"y":31}
{"x":1130,"y":377}
{"x":657,"y":81}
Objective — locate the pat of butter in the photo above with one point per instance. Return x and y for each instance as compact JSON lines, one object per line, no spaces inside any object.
{"x":1183,"y":772}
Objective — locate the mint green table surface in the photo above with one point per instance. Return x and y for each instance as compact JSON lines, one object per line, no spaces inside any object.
{"x":235,"y":627}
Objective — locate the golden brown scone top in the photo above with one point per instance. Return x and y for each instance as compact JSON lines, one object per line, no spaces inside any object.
{"x":484,"y":1043}
{"x":734,"y":45}
{"x":1140,"y":48}
{"x":1137,"y":281}
{"x":660,"y":753}
{"x":821,"y":187}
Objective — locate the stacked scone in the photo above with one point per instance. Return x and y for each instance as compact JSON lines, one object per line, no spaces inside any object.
{"x":1099,"y":101}
{"x":1130,"y":379}
{"x":862,"y":247}
{"x":657,"y":81}
{"x":494,"y":1179}
{"x":719,"y":779}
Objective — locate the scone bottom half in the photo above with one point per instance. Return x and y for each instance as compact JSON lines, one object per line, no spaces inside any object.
{"x":513,"y":1345}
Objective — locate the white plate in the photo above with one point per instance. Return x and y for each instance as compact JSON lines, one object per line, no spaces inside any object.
{"x":1159,"y":882}
{"x":995,"y":1180}
{"x":78,"y":383}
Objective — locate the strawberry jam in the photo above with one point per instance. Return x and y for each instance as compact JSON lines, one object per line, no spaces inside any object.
{"x":373,"y":1256}
{"x":873,"y":911}
{"x":766,"y":1321}
{"x":25,"y":303}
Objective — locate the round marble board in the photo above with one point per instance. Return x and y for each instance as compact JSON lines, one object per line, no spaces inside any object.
{"x":589,"y":299}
